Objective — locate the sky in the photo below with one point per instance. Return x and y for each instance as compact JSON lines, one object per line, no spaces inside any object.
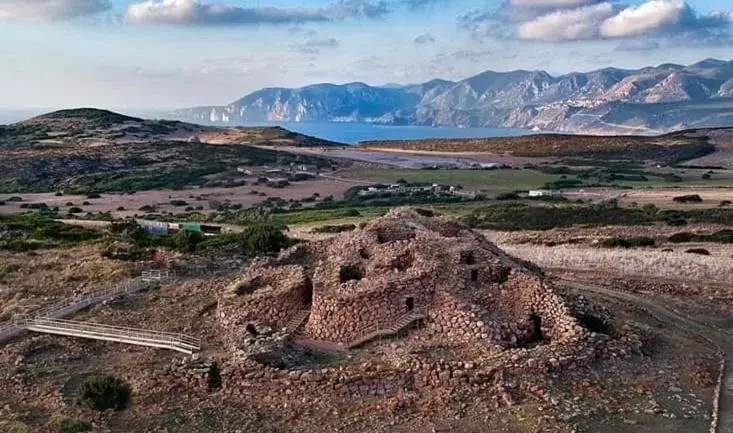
{"x":164,"y":54}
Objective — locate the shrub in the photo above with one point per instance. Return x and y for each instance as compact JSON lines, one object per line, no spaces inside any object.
{"x":629,"y":242}
{"x":93,"y":195}
{"x":178,"y":203}
{"x":147,"y":208}
{"x":264,"y":237}
{"x":706,"y":176}
{"x":68,"y":203}
{"x":339,"y":228}
{"x":508,"y":196}
{"x":690,"y":198}
{"x":15,"y":198}
{"x":59,"y":194}
{"x":185,"y":240}
{"x":725,"y":203}
{"x":75,"y":209}
{"x":73,"y":426}
{"x":701,"y":251}
{"x":102,"y":393}
{"x":120,"y":208}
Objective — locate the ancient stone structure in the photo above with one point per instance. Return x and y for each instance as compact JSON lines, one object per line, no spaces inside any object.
{"x":468,"y":290}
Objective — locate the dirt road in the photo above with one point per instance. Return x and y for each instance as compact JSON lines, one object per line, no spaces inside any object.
{"x":721,"y":339}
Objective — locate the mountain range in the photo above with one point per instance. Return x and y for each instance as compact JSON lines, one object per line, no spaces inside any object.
{"x":649,"y":100}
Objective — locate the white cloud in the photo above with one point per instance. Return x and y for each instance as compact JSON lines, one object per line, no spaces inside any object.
{"x":50,"y":10}
{"x":551,"y":4}
{"x":610,"y":21}
{"x":572,"y":24}
{"x":193,"y":12}
{"x":197,"y":12}
{"x":645,"y":18}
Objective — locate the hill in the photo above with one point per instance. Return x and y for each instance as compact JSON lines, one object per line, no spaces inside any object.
{"x":610,"y":101}
{"x":666,"y":148}
{"x":84,"y":150}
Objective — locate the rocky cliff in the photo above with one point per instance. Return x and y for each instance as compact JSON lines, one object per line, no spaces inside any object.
{"x":652,"y":99}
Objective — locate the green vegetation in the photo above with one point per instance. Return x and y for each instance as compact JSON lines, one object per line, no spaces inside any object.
{"x":30,"y":231}
{"x":518,"y":216}
{"x":142,"y":166}
{"x":504,"y":180}
{"x":102,"y":393}
{"x":700,"y":251}
{"x":338,"y":228}
{"x":73,"y":426}
{"x":691,"y":198}
{"x":628,"y":242}
{"x":264,"y":237}
{"x":720,"y":237}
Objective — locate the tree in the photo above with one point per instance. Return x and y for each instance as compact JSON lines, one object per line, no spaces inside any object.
{"x":264,"y":237}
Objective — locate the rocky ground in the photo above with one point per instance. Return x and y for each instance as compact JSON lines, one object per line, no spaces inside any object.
{"x":663,"y":382}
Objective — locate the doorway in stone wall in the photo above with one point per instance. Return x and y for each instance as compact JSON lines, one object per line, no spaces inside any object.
{"x":307,"y":292}
{"x":409,"y":303}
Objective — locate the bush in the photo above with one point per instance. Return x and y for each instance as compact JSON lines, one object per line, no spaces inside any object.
{"x":340,"y":228}
{"x":725,"y":203}
{"x":75,"y":209}
{"x":508,"y":196}
{"x":185,"y":241}
{"x":178,"y":203}
{"x":147,"y":208}
{"x":93,"y":195}
{"x":701,"y":251}
{"x":721,"y":237}
{"x":691,"y":198}
{"x":74,"y":426}
{"x":102,"y":393}
{"x":15,"y":198}
{"x":120,"y":208}
{"x":264,"y":237}
{"x":630,"y":242}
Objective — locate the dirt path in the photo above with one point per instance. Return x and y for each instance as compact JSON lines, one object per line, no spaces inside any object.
{"x":721,"y":339}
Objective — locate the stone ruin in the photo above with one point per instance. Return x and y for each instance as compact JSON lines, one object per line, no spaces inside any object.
{"x":465,"y":290}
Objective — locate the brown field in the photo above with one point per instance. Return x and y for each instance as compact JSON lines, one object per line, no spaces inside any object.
{"x":660,"y":197}
{"x":193,"y":197}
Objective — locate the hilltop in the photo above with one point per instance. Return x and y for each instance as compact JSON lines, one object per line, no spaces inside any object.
{"x":653,"y":99}
{"x":88,"y":149}
{"x":83,"y":127}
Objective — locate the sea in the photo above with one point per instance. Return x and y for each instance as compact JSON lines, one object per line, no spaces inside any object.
{"x":353,"y":133}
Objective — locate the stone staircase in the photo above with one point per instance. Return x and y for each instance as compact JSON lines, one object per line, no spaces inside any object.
{"x":402,"y":323}
{"x":368,"y":334}
{"x":294,"y":324}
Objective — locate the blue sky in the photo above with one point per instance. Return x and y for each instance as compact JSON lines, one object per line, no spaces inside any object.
{"x":160,"y":54}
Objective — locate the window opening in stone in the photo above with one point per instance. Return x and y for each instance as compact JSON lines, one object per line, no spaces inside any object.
{"x":467,"y":258}
{"x":348,"y":273}
{"x":308,"y":292}
{"x":409,"y":304}
{"x":474,"y":274}
{"x":251,"y":329}
{"x":536,"y":327}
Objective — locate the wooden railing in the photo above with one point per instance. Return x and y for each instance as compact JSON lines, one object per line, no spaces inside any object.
{"x":49,"y":319}
{"x":143,"y":337}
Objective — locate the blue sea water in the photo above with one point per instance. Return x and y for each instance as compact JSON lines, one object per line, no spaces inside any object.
{"x":353,"y":133}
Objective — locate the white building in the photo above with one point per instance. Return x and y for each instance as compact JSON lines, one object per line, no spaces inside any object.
{"x":542,"y":193}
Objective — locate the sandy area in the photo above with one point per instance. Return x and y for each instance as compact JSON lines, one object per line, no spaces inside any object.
{"x":193,"y":197}
{"x":411,"y":159}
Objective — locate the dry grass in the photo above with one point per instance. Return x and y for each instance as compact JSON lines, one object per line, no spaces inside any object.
{"x":648,"y":263}
{"x":31,"y":280}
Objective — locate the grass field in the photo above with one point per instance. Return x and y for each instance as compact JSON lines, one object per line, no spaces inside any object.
{"x":492,"y":180}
